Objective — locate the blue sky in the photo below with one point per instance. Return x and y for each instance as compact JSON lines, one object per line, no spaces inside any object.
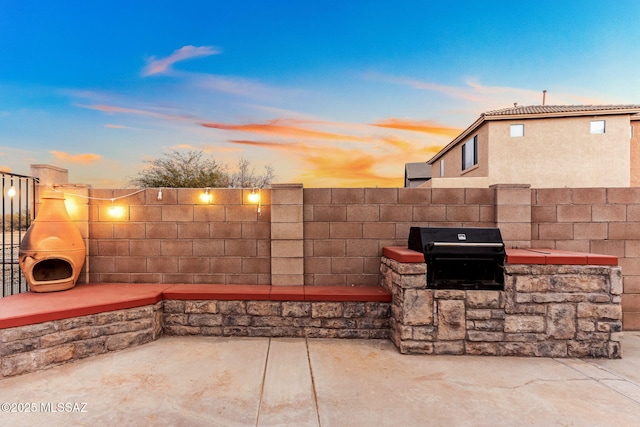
{"x":329,"y":93}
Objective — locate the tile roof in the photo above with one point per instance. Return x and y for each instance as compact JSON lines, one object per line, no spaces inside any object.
{"x":554,"y":109}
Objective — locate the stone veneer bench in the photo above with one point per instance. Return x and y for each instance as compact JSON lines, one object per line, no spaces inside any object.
{"x":554,"y":304}
{"x":40,"y":330}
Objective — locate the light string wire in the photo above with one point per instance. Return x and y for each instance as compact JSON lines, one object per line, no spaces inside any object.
{"x":105,"y":199}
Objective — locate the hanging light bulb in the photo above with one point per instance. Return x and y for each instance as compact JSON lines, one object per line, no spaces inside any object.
{"x":254,"y":197}
{"x":115,"y":210}
{"x":160,"y":194}
{"x":11,"y":192}
{"x":206,"y":197}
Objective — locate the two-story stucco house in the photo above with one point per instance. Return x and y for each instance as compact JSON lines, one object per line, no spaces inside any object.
{"x":545,"y":146}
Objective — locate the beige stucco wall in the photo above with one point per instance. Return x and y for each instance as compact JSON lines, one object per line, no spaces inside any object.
{"x":560,"y":153}
{"x":635,"y":154}
{"x":453,"y":158}
{"x":458,"y":182}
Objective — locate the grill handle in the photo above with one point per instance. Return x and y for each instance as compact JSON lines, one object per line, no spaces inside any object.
{"x":462,"y":244}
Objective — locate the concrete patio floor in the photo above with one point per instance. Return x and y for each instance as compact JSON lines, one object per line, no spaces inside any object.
{"x":207,"y":381}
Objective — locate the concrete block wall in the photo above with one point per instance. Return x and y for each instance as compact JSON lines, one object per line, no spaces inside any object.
{"x":513,"y":214}
{"x":345,"y":229}
{"x":599,"y":220}
{"x":179,"y":239}
{"x":334,"y":236}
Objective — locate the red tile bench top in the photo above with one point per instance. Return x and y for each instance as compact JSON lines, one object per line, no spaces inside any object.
{"x":31,"y":308}
{"x":517,"y":256}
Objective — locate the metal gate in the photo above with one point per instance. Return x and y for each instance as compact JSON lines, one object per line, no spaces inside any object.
{"x":18,"y":207}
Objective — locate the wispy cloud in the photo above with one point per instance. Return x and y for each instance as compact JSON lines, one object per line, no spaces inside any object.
{"x":234,"y":85}
{"x":425,"y":126}
{"x":163,"y":65}
{"x":85,"y":158}
{"x":279,"y":128}
{"x":135,"y":111}
{"x":485,"y":97}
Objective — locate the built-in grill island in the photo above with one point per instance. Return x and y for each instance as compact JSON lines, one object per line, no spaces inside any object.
{"x":460,"y":291}
{"x":461,"y":258}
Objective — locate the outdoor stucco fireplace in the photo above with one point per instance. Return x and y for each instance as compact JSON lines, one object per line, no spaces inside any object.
{"x":52,"y":251}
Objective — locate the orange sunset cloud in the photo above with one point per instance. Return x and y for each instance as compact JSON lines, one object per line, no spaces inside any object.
{"x":76,"y":158}
{"x":418,"y":126}
{"x":339,"y":166}
{"x":375,"y":161}
{"x":275,"y":128}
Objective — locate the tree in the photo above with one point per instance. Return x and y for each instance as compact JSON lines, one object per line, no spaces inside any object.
{"x":245,"y":176}
{"x":181,"y":170}
{"x":193,"y":170}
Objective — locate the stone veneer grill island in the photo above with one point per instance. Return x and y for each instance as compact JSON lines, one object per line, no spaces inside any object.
{"x":553,"y":305}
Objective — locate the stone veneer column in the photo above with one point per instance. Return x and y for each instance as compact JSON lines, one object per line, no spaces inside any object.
{"x":287,"y":233}
{"x":513,"y":214}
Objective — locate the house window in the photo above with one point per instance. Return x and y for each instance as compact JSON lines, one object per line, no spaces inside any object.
{"x":597,"y":126}
{"x":470,"y":153}
{"x":442,"y":167}
{"x":517,"y":130}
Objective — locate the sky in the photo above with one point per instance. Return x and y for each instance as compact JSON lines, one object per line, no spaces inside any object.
{"x":328,"y":93}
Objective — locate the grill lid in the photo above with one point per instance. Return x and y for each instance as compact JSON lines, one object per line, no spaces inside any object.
{"x":460,"y":258}
{"x":443,"y":239}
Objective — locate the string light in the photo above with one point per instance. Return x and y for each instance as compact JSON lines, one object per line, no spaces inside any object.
{"x":116,"y":210}
{"x":11,"y":192}
{"x":206,"y":197}
{"x":254,"y":197}
{"x":160,"y":194}
{"x":112,"y":199}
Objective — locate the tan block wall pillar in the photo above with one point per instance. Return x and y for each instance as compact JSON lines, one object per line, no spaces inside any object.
{"x":77,"y":204}
{"x":287,"y":235}
{"x":513,"y":214}
{"x":50,"y":176}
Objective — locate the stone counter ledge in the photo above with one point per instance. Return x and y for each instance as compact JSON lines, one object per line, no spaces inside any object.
{"x":516,"y":256}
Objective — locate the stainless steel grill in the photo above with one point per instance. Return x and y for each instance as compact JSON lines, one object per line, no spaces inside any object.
{"x":460,"y":258}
